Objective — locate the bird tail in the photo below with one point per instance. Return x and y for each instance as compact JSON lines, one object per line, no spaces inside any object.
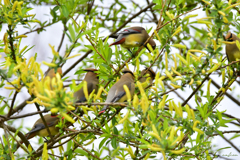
{"x":30,"y":135}
{"x":118,"y":42}
{"x":104,"y":109}
{"x":115,"y":36}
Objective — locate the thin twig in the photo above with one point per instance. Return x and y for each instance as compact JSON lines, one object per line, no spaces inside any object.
{"x":12,"y":104}
{"x":86,"y":150}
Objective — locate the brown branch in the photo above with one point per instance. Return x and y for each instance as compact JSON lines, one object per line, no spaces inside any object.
{"x":193,"y":93}
{"x":227,"y":94}
{"x":21,"y":106}
{"x":152,"y":11}
{"x":63,"y":36}
{"x":19,"y":143}
{"x":64,"y":142}
{"x":12,"y":104}
{"x":27,"y":115}
{"x":20,"y":134}
{"x":78,"y":61}
{"x":40,"y":28}
{"x":231,"y":143}
{"x":220,"y":93}
{"x":7,"y":138}
{"x":122,"y":104}
{"x":223,"y":132}
{"x":10,"y":32}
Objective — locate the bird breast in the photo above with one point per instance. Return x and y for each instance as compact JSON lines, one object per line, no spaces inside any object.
{"x":44,"y":132}
{"x":133,"y":40}
{"x":233,"y":52}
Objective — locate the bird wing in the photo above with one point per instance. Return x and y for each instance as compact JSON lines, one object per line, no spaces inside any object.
{"x":36,"y":128}
{"x":120,"y":92}
{"x":129,"y":31}
{"x":82,"y":98}
{"x":115,"y":94}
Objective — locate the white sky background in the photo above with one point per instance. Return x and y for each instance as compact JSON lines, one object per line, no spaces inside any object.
{"x":52,"y":36}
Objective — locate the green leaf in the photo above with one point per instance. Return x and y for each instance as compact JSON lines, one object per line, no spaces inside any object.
{"x":115,"y":131}
{"x":107,"y":128}
{"x":81,"y":152}
{"x":114,"y":142}
{"x":65,"y":11}
{"x":72,"y":32}
{"x":69,"y":145}
{"x":102,"y":142}
{"x":222,"y":148}
{"x":235,"y":136}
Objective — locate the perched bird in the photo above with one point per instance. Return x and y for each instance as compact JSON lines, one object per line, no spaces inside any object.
{"x":39,"y":129}
{"x":232,"y":51}
{"x":92,"y":84}
{"x":117,"y":92}
{"x":145,"y":74}
{"x":133,"y":37}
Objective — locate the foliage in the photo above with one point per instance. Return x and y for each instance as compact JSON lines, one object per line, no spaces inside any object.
{"x":154,"y":124}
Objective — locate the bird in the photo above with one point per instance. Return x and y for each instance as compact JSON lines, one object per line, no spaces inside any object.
{"x":92,"y":84}
{"x":39,"y":129}
{"x":232,"y":51}
{"x":117,"y":92}
{"x":132,"y":37}
{"x":145,"y":74}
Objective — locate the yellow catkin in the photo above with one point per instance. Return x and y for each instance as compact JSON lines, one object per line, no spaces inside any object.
{"x":175,"y":61}
{"x":181,"y":58}
{"x":180,"y":151}
{"x":45,"y":152}
{"x":222,"y":13}
{"x":175,"y":86}
{"x":191,"y":82}
{"x":50,"y":64}
{"x":155,"y":32}
{"x":214,"y":68}
{"x":226,"y":42}
{"x":190,"y":16}
{"x":234,"y":5}
{"x":135,"y":101}
{"x":169,"y":75}
{"x":99,"y":93}
{"x":21,"y":36}
{"x":177,"y":31}
{"x":127,"y":92}
{"x":166,"y":60}
{"x":129,"y":149}
{"x":225,"y":20}
{"x":85,"y":89}
{"x":162,"y":103}
{"x":208,"y":3}
{"x":176,"y":72}
{"x":124,"y":118}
